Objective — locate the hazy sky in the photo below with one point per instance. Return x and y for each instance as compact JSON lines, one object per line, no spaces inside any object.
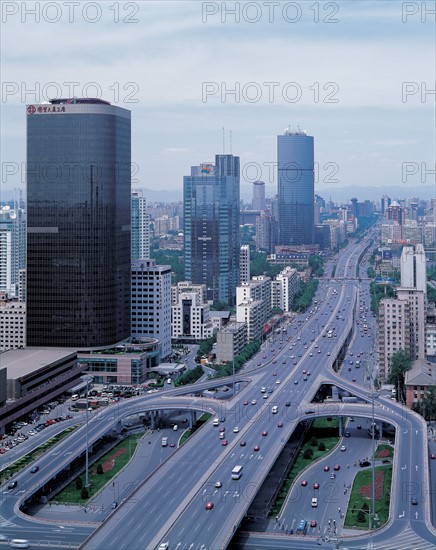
{"x":356,"y":75}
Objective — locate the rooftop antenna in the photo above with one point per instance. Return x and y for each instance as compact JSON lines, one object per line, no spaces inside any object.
{"x":224,"y":142}
{"x":230,"y":142}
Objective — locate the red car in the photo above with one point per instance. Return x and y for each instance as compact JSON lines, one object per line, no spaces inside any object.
{"x":326,"y":468}
{"x":336,"y":467}
{"x":304,"y":483}
{"x":224,"y":442}
{"x":264,"y":433}
{"x":433,"y":457}
{"x":313,"y":523}
{"x":280,"y":425}
{"x":316,"y":485}
{"x":209,"y":505}
{"x":222,"y":429}
{"x":256,"y":448}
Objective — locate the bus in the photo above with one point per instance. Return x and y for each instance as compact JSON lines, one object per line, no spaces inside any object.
{"x":237,"y":472}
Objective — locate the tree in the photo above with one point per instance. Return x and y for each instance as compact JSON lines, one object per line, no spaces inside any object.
{"x":400,"y":364}
{"x":321,"y":446}
{"x":308,"y":453}
{"x":361,"y":517}
{"x":313,"y":442}
{"x":100,"y":469}
{"x":79,"y":483}
{"x":84,"y":494}
{"x":426,"y":406}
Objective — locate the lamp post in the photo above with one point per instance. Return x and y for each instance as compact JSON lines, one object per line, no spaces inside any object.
{"x":87,"y":379}
{"x":373,"y":395}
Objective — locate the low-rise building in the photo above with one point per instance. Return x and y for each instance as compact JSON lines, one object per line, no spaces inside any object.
{"x":190,"y":312}
{"x":231,"y":340}
{"x":12,"y":323}
{"x":419,"y":380}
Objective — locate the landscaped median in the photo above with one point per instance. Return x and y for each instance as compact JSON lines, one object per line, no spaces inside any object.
{"x":100,"y":473}
{"x":30,"y":457}
{"x":319,"y":441}
{"x":360,"y":503}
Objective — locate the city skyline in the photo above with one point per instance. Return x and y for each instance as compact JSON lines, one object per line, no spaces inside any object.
{"x":367,"y":98}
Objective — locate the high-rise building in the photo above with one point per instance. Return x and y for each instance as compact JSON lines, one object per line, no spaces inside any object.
{"x":266,"y":232}
{"x":151,"y":303}
{"x":12,"y":248}
{"x":245,"y":263}
{"x":258,"y":202}
{"x":140,"y":227}
{"x":78,"y":234}
{"x":296,"y":188}
{"x":414,"y":268}
{"x":211,"y":227}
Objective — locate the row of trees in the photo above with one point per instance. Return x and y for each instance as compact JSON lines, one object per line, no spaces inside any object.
{"x":249,"y":350}
{"x":189,"y":376}
{"x":400,"y":364}
{"x":304,"y":297}
{"x":426,"y":407}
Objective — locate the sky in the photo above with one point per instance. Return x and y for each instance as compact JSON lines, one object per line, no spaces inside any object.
{"x":356,"y":75}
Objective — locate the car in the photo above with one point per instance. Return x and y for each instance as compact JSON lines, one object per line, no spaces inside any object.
{"x":343,"y":448}
{"x":304,"y":371}
{"x":274,"y":362}
{"x":432,"y":456}
{"x":414,"y":501}
{"x":309,"y":411}
{"x":280,"y":425}
{"x":172,"y":444}
{"x":336,"y":467}
{"x":295,"y":382}
{"x":163,"y":546}
{"x":242,"y":443}
{"x":256,"y":448}
{"x":326,"y":468}
{"x":270,"y":390}
{"x":224,"y":442}
{"x":34,"y":469}
{"x":114,"y":505}
{"x":354,"y":380}
{"x":314,"y":502}
{"x":253,"y":401}
{"x":12,"y":484}
{"x":235,"y":430}
{"x":274,"y":374}
{"x":332,"y":475}
{"x":218,"y":484}
{"x":316,"y":485}
{"x":359,"y":427}
{"x":265,"y":396}
{"x":245,"y":402}
{"x":222,"y":429}
{"x":264,"y":433}
{"x":364,"y":463}
{"x":209,"y":505}
{"x":347,"y":434}
{"x":287,"y":404}
{"x":310,"y":354}
{"x":313,"y":523}
{"x":263,"y":389}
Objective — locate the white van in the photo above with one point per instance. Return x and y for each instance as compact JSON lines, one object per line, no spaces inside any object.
{"x":74,"y":397}
{"x":274,"y":409}
{"x":19,"y":543}
{"x":175,"y":427}
{"x":216,"y":421}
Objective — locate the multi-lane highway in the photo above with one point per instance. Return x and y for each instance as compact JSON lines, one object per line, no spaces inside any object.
{"x":171,"y":504}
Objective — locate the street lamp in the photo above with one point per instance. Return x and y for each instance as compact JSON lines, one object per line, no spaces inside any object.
{"x":373,"y":395}
{"x":87,"y":379}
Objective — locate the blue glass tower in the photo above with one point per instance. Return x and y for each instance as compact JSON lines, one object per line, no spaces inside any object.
{"x":78,"y":235}
{"x":296,"y":188}
{"x":211,"y":231}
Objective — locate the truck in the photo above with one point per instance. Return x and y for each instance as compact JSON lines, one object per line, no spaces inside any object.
{"x":165,"y":442}
{"x":237,"y":472}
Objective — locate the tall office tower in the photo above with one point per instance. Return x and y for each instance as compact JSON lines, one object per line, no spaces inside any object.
{"x":12,"y":248}
{"x":385,"y":203}
{"x":211,"y":222}
{"x":414,"y":268}
{"x":296,"y":188}
{"x":266,"y":232}
{"x":395,"y":213}
{"x":245,"y":264}
{"x":78,"y":233}
{"x":151,"y":302}
{"x":140,"y":227}
{"x":258,"y":202}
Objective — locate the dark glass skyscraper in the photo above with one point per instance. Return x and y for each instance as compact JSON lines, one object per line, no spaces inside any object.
{"x":296,"y":188}
{"x":78,"y":236}
{"x":211,"y":234}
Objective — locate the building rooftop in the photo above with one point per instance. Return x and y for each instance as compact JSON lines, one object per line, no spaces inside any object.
{"x":21,"y":362}
{"x":423,"y":373}
{"x":79,"y":101}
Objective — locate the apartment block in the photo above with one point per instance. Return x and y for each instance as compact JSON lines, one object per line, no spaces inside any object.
{"x":231,"y":340}
{"x":284,"y":288}
{"x":12,"y":323}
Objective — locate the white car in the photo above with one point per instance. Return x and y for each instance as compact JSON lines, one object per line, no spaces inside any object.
{"x":343,"y":448}
{"x":277,"y":381}
{"x":253,"y":402}
{"x":235,"y":429}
